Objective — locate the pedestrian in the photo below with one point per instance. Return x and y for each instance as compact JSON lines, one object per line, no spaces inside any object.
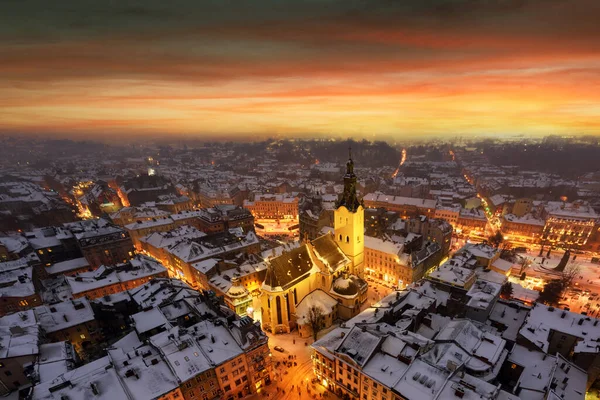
{"x":294,"y":341}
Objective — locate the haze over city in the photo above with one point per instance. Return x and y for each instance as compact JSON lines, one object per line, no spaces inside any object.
{"x":295,"y":200}
{"x":246,"y":70}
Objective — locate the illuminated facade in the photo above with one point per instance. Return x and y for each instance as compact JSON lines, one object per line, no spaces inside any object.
{"x":331,"y":263}
{"x":349,"y":222}
{"x":386,"y":263}
{"x":568,"y":224}
{"x":273,"y":206}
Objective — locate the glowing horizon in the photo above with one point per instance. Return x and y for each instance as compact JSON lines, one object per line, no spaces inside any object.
{"x":330,"y":68}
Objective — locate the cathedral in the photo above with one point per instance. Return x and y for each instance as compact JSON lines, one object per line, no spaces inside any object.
{"x":325,"y":272}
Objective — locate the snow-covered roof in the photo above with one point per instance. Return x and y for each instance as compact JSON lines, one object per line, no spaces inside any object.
{"x":527,"y":219}
{"x":385,"y":246}
{"x":68,"y":265}
{"x":385,"y":368}
{"x":502,"y":265}
{"x":359,"y":344}
{"x":543,"y":321}
{"x":143,"y":371}
{"x":510,"y":315}
{"x":19,"y":335}
{"x":139,"y":267}
{"x":576,"y":210}
{"x":540,"y":370}
{"x":218,"y":344}
{"x":150,"y":223}
{"x":92,"y":228}
{"x":479,"y":250}
{"x":482,"y":294}
{"x":59,"y":316}
{"x":16,"y":279}
{"x":14,"y":244}
{"x":401,"y":201}
{"x":452,"y":274}
{"x":316,"y":298}
{"x":161,"y":290}
{"x":205,"y":266}
{"x":427,"y":288}
{"x":182,"y":353}
{"x":486,"y":349}
{"x":190,"y":251}
{"x":41,"y":238}
{"x":147,"y":320}
{"x":96,"y":380}
{"x":55,"y":359}
{"x":161,"y":240}
{"x":421,"y":381}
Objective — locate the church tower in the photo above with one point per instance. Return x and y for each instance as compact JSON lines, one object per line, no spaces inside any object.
{"x":349,"y":221}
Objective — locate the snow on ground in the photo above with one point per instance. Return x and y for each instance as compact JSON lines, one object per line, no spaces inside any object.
{"x":589,"y":271}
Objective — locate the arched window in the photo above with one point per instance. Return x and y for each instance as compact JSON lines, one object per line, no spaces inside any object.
{"x":278,"y":307}
{"x":295,"y":296}
{"x":340,"y":237}
{"x":323,"y":281}
{"x":347,"y":239}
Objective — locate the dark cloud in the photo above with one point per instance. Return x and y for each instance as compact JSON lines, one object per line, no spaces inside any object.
{"x":341,"y":49}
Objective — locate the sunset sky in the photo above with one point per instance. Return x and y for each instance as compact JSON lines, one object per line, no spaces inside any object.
{"x":251,"y":69}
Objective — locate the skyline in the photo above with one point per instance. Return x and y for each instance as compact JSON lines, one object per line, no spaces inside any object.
{"x":377,"y":70}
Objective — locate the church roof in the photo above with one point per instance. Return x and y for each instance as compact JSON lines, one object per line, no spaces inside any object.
{"x":288,"y":268}
{"x":295,"y":265}
{"x":328,"y":250}
{"x":348,"y":286}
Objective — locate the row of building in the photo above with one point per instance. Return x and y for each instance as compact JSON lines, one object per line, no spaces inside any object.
{"x":453,"y":335}
{"x":173,"y":342}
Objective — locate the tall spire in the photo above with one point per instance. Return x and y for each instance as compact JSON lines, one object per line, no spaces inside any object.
{"x":350,"y":163}
{"x":349,"y":198}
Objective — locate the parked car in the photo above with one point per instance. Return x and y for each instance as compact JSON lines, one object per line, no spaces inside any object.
{"x":279,"y":348}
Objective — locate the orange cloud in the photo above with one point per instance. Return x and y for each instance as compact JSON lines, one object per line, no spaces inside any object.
{"x":464,"y":68}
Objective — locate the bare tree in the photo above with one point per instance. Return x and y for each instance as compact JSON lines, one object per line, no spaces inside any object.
{"x":315,"y":320}
{"x":525,"y":263}
{"x":569,"y":274}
